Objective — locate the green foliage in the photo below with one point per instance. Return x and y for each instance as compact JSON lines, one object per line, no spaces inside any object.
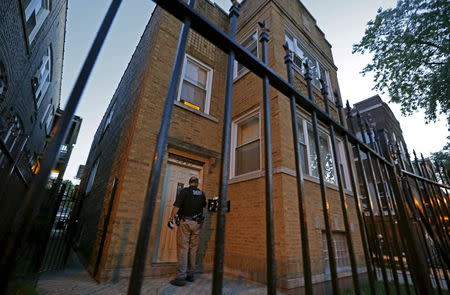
{"x":443,"y":157}
{"x":410,"y":44}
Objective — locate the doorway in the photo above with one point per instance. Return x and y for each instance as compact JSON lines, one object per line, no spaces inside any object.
{"x":176,"y":178}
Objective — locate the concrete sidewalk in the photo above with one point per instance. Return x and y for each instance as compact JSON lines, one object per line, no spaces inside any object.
{"x":75,"y":281}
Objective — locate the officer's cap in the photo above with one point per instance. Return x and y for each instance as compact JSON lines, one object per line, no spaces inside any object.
{"x":193,"y":179}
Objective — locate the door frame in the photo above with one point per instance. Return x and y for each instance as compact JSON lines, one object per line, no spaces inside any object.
{"x":163,"y":200}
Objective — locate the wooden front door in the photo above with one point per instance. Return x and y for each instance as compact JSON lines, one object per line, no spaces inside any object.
{"x":176,"y":178}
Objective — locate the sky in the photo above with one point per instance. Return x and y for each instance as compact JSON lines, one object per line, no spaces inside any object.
{"x":343,"y":23}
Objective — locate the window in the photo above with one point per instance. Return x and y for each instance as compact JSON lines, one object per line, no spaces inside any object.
{"x":109,"y":118}
{"x":92,"y":175}
{"x":42,"y":78}
{"x":47,"y":118}
{"x":251,"y":43}
{"x":308,"y":159}
{"x":35,"y":14}
{"x":12,"y":132}
{"x":317,"y":70}
{"x":340,"y":252}
{"x":195,"y":85}
{"x":49,"y":121}
{"x":246,"y":147}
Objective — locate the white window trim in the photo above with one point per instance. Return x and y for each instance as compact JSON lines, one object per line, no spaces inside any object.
{"x":209,"y":79}
{"x":44,"y":84}
{"x":92,"y":175}
{"x":234,"y":126}
{"x":305,"y":122}
{"x":109,"y":118}
{"x":44,"y":117}
{"x":41,"y":15}
{"x":49,"y":121}
{"x":299,"y":43}
{"x":253,"y":31}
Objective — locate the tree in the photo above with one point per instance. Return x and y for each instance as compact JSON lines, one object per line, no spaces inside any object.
{"x":442,"y":158}
{"x":410,"y":44}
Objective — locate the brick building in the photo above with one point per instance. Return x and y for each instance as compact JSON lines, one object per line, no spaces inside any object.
{"x":117,"y":170}
{"x":382,"y":131}
{"x":32,"y":34}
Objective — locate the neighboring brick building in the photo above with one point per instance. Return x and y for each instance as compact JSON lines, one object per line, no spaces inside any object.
{"x":32,"y":35}
{"x":117,"y":170}
{"x":378,"y":122}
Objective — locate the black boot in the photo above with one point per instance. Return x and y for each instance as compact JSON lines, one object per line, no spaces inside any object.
{"x":190,"y":278}
{"x":178,"y":282}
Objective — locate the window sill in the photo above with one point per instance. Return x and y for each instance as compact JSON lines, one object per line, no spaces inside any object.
{"x":237,"y":77}
{"x":247,"y":176}
{"x":309,"y":178}
{"x":328,"y":184}
{"x":207,"y":116}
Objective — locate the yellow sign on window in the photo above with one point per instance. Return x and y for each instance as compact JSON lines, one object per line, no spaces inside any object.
{"x":191,"y":105}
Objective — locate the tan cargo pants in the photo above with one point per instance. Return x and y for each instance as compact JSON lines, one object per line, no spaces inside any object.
{"x":187,"y":245}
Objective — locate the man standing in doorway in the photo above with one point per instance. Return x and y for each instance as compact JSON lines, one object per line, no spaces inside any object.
{"x":189,"y":206}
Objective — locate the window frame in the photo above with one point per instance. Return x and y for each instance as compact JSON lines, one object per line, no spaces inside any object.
{"x":337,"y":250}
{"x":92,"y":176}
{"x":45,"y":83}
{"x":234,"y":132}
{"x":300,"y":46}
{"x":252,"y":32}
{"x":40,"y":17}
{"x":341,"y":153}
{"x":209,"y":79}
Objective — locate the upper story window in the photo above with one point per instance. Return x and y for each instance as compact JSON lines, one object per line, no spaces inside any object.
{"x":42,"y":78}
{"x":308,"y":154}
{"x":109,"y":118}
{"x":3,"y":81}
{"x":246,"y":144}
{"x":47,"y":118}
{"x":195,"y":85}
{"x":12,"y":133}
{"x":36,"y":11}
{"x":317,"y":70}
{"x":92,"y":175}
{"x":251,"y":43}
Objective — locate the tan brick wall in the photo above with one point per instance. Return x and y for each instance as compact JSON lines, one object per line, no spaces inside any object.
{"x":199,"y":138}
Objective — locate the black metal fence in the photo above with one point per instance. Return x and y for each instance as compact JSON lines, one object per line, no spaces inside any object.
{"x":405,"y":236}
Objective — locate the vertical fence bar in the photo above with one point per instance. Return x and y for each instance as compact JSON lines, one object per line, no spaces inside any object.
{"x":323,"y":188}
{"x":368,"y":228}
{"x":432,"y":208}
{"x":372,"y":224}
{"x":307,"y":275}
{"x":140,"y":255}
{"x":35,"y":195}
{"x":362,"y":224}
{"x":225,"y":168}
{"x":373,"y":178}
{"x":441,"y":203}
{"x":416,"y":265}
{"x":428,"y":220}
{"x":270,"y":246}
{"x":399,"y":242}
{"x":342,"y":197}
